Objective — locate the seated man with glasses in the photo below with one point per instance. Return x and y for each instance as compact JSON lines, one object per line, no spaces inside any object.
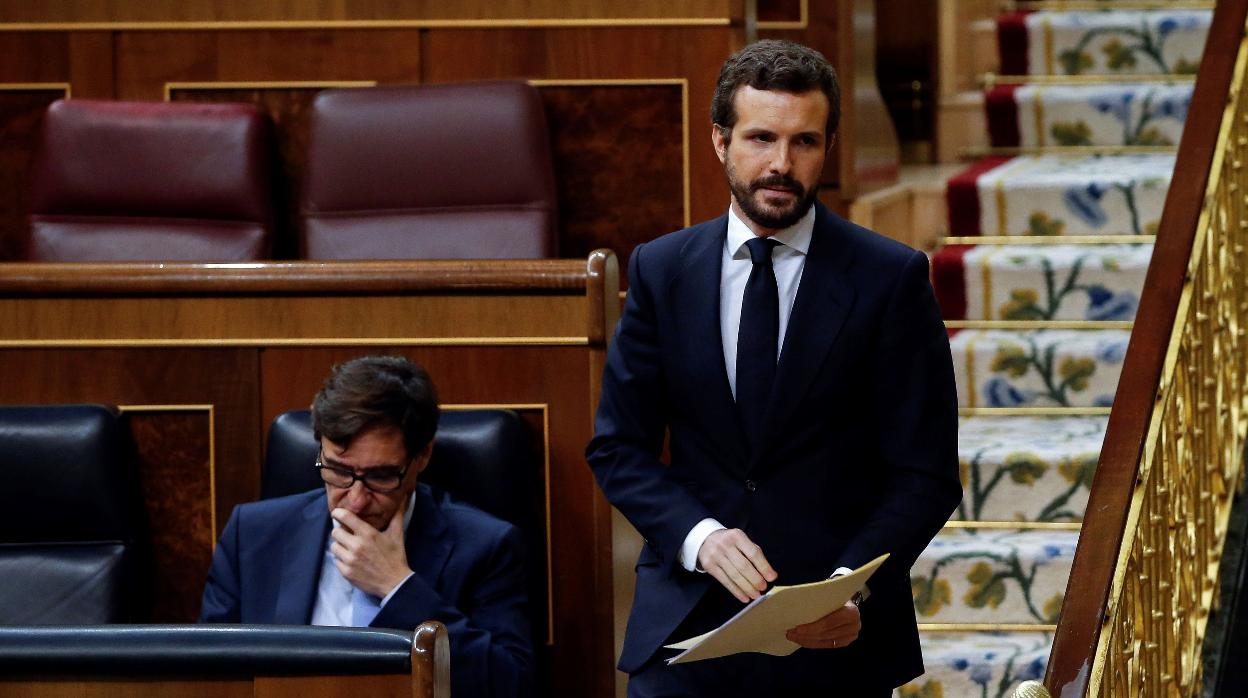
{"x":375,"y":547}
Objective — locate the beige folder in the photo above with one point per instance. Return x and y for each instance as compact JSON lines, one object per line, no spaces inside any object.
{"x":761,"y":625}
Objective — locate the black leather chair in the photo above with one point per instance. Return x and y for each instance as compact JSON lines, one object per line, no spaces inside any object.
{"x":482,"y":457}
{"x":69,"y":551}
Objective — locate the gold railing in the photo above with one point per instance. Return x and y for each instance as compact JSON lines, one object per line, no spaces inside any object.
{"x":1133,"y":623}
{"x":1166,"y":575}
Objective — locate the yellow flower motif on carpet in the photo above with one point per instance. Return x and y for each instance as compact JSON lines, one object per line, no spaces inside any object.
{"x":1011,"y":359}
{"x":1075,"y":372}
{"x":930,"y":595}
{"x":1025,"y":468}
{"x":929,"y":689}
{"x":987,"y":589}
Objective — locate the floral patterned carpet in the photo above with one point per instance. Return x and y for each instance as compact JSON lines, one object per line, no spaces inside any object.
{"x":1039,"y":286}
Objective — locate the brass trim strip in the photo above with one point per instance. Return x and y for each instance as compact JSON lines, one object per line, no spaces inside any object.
{"x":975,"y":152}
{"x":299,"y":342}
{"x":291,"y":25}
{"x":264,"y":85}
{"x":972,"y":396}
{"x":991,"y":79}
{"x":1032,"y":411}
{"x":1049,"y":240}
{"x":65,"y":88}
{"x":683,"y":83}
{"x":802,"y":23}
{"x":212,"y":450}
{"x":1039,"y":324}
{"x":1003,"y":226}
{"x":1017,"y":525}
{"x":1089,"y":5}
{"x":1048,"y":46}
{"x":985,"y":628}
{"x":544,"y":408}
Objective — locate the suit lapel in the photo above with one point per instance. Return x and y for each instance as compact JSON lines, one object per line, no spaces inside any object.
{"x":824,"y":298}
{"x":427,"y":543}
{"x":301,"y":563}
{"x":695,"y":296}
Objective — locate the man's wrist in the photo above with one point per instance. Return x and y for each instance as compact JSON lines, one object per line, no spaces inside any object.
{"x":396,"y":587}
{"x":688,"y":555}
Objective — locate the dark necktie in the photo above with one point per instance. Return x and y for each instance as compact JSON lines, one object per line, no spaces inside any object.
{"x":757,"y":340}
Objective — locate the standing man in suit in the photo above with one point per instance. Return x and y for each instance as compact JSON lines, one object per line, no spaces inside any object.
{"x":799,"y":365}
{"x":375,"y":548}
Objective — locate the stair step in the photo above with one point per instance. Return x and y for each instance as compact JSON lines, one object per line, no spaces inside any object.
{"x":1051,"y":195}
{"x":1123,"y":114}
{"x":1030,"y":282}
{"x":993,"y":576}
{"x":978,"y":664}
{"x":1027,"y":468}
{"x":1040,"y":368}
{"x":1113,"y":43}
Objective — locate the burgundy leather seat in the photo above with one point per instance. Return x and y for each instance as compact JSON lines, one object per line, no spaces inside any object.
{"x":431,"y":172}
{"x":149,"y":181}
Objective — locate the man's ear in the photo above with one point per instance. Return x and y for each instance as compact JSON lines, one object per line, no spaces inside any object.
{"x":719,"y":141}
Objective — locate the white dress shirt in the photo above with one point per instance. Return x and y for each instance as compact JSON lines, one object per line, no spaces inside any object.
{"x":788,"y":259}
{"x":333,"y":592}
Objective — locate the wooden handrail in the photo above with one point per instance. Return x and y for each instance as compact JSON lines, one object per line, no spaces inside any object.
{"x":1087,"y":592}
{"x":146,"y":278}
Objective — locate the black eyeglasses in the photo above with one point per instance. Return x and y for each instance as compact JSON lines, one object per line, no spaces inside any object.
{"x":382,"y":481}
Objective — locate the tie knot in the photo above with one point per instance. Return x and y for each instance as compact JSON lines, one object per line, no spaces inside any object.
{"x":760,"y":249}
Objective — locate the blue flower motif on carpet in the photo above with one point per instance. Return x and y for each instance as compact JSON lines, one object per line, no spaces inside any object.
{"x":1104,"y":304}
{"x":999,"y":393}
{"x":1112,"y":352}
{"x":1085,"y":203}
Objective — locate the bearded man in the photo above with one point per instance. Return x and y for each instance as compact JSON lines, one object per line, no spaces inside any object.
{"x":799,"y":366}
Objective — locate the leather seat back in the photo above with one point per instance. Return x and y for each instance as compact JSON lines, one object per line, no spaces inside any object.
{"x":454,"y":171}
{"x":68,"y":548}
{"x":142,"y":181}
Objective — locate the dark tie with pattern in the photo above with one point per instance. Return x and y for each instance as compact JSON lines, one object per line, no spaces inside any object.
{"x":757,"y":340}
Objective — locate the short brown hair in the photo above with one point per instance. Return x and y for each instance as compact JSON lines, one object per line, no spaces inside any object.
{"x":775,"y":65}
{"x":377,"y":390}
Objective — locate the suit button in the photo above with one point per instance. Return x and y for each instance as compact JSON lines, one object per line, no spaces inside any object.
{"x":750,"y":485}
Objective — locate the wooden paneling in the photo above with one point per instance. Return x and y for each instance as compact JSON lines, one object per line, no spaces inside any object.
{"x":147,"y":61}
{"x":165,"y":11}
{"x":21,"y":114}
{"x":619,"y":164}
{"x":175,"y":461}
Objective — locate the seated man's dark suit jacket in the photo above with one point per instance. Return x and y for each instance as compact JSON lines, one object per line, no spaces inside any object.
{"x":860,"y":443}
{"x":469,"y":575}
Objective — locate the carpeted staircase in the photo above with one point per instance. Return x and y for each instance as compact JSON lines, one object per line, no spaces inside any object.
{"x":1039,"y":282}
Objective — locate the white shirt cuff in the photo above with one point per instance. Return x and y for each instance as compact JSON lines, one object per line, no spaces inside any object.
{"x":866,"y":590}
{"x":396,"y":588}
{"x":688,"y":555}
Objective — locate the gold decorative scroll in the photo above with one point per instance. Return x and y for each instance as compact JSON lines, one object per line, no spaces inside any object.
{"x":1166,"y":577}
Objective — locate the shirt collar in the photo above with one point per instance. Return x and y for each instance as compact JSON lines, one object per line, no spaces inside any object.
{"x":796,"y":236}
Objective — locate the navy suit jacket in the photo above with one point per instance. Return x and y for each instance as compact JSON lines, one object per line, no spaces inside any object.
{"x":859,"y":453}
{"x":469,"y":575}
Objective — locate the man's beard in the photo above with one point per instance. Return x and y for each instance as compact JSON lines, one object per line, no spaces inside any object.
{"x":776,"y":219}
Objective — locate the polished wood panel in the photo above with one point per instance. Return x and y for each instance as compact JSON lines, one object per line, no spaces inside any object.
{"x":780,"y":10}
{"x":148,"y":61}
{"x":21,"y":115}
{"x":174,"y":11}
{"x":1091,"y":575}
{"x":619,"y":159}
{"x":175,"y":463}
